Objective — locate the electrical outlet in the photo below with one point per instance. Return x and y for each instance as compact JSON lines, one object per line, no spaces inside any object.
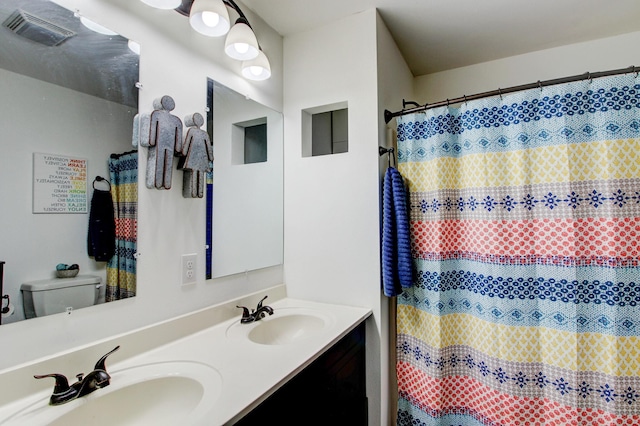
{"x":189,"y":268}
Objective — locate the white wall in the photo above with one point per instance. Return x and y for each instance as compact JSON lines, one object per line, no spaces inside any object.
{"x":331,"y":201}
{"x":598,"y":55}
{"x":395,"y":82}
{"x":175,"y":61}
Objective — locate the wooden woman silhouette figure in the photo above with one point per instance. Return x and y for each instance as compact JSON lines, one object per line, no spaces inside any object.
{"x":164,"y":141}
{"x":198,"y":155}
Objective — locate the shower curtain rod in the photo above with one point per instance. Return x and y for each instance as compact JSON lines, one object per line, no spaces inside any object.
{"x":388,"y":115}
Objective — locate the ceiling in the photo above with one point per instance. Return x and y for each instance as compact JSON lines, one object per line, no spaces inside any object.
{"x":437,"y":35}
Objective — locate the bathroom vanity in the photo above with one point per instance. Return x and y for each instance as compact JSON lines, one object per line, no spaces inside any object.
{"x":205,"y":368}
{"x":331,"y":390}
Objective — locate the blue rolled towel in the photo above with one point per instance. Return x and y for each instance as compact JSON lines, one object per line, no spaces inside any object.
{"x":397,"y":265}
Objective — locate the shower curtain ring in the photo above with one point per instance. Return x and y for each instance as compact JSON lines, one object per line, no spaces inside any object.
{"x":500,"y":93}
{"x":465,"y":100}
{"x":540,"y":85}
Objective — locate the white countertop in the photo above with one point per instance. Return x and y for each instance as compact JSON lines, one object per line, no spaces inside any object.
{"x":249,"y":371}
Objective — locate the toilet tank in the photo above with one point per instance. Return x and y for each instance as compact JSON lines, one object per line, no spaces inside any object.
{"x":55,"y":295}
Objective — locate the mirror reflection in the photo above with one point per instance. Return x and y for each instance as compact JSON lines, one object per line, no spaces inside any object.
{"x":67,"y":102}
{"x":245,"y":195}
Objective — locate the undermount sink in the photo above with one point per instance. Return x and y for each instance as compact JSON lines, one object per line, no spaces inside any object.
{"x":161,"y":393}
{"x":285,"y":326}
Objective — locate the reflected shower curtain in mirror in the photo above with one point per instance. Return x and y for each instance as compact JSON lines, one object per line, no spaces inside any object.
{"x":525,"y":222}
{"x":121,"y":269}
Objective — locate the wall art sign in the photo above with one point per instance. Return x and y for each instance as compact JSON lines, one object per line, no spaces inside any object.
{"x":59,"y":184}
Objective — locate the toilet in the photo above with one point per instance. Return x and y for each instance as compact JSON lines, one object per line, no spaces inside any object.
{"x":55,"y":295}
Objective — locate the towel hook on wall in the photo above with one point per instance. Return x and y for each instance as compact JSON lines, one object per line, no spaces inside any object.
{"x":101,"y":179}
{"x":389,"y":151}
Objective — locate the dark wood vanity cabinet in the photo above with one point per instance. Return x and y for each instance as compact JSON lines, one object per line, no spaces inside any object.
{"x":330,"y":391}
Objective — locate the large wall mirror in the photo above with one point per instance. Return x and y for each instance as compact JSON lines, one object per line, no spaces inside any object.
{"x":67,"y":92}
{"x":245,"y":197}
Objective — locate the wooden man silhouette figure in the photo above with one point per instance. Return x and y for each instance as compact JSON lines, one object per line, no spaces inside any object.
{"x":198,"y":155}
{"x":164,"y":141}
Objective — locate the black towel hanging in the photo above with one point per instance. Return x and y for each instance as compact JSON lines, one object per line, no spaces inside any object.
{"x":101,"y":238}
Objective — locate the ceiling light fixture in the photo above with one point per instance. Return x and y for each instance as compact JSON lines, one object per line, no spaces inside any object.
{"x":93,"y":26}
{"x":241,"y":43}
{"x":211,"y":18}
{"x":163,"y":4}
{"x":257,"y":68}
{"x":134,"y":46}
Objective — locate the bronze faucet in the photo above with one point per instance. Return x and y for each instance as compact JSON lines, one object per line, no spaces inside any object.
{"x":98,"y":378}
{"x":256,"y":314}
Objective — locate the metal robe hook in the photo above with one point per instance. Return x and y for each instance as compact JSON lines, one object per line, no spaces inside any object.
{"x":389,"y":151}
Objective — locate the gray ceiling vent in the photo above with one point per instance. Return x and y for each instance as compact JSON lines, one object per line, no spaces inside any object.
{"x":37,"y":29}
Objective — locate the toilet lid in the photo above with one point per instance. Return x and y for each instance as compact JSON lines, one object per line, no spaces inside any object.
{"x":57,"y":283}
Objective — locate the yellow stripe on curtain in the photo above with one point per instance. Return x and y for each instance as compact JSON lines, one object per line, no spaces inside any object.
{"x":604,"y":160}
{"x":572,"y":351}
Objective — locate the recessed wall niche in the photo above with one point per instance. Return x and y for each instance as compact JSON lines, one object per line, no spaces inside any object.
{"x":249,"y":141}
{"x":325,"y":130}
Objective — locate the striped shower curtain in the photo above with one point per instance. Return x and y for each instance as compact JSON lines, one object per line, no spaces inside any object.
{"x":525,"y":222}
{"x":121,"y":269}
